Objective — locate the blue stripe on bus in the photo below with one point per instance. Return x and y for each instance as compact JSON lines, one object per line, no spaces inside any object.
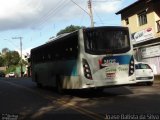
{"x":71,"y":68}
{"x":123,"y":59}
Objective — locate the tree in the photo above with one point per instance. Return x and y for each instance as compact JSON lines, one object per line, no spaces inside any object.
{"x":24,"y":62}
{"x":15,"y":58}
{"x":69,"y":29}
{"x":5,"y":50}
{"x":1,"y":61}
{"x":2,"y":55}
{"x":12,"y":58}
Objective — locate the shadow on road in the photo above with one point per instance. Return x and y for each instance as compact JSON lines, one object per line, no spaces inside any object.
{"x":93,"y":93}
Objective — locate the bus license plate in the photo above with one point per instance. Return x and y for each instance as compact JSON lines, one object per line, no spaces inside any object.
{"x":110,"y":75}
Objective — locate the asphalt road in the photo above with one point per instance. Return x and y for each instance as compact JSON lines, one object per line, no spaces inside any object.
{"x":21,"y":99}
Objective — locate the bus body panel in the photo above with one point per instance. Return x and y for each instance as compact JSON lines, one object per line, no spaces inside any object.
{"x":66,"y":70}
{"x":111,"y":75}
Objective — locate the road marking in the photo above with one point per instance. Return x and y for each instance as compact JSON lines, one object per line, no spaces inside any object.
{"x":91,"y":114}
{"x":81,"y":110}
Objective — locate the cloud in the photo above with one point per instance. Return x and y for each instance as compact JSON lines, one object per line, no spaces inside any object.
{"x":108,"y":6}
{"x":21,"y":14}
{"x":18,"y":13}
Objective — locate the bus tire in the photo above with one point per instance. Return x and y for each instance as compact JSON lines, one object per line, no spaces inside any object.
{"x":99,"y":89}
{"x":59,"y":85}
{"x":39,"y":85}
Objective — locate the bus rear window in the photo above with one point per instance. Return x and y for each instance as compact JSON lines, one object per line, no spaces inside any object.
{"x":102,"y":41}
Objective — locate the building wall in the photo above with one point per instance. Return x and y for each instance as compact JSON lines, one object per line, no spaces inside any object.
{"x":3,"y":68}
{"x":152,"y":17}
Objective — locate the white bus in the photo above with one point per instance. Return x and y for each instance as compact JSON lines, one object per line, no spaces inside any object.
{"x":96,"y":57}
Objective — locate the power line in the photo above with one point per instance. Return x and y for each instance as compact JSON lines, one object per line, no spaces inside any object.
{"x":82,"y":18}
{"x":98,"y":17}
{"x":90,"y":10}
{"x":52,"y":12}
{"x":90,"y":7}
{"x":105,"y":0}
{"x":80,"y":7}
{"x":13,"y":44}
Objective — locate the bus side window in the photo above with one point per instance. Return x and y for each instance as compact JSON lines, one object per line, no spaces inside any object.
{"x":64,"y":50}
{"x":74,"y":46}
{"x":49,"y":57}
{"x":37,"y":57}
{"x":48,"y":54}
{"x":52,"y":52}
{"x":57,"y":51}
{"x":43,"y":58}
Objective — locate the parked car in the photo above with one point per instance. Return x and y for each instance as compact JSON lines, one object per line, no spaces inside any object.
{"x":144,"y":73}
{"x":11,"y":74}
{"x":2,"y":74}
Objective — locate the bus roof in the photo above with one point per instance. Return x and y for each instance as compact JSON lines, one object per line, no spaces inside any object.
{"x":75,"y":32}
{"x":109,"y":27}
{"x":55,"y":39}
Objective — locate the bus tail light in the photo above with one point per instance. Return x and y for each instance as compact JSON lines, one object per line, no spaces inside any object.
{"x":131,"y":66}
{"x":86,"y":69}
{"x":100,"y":63}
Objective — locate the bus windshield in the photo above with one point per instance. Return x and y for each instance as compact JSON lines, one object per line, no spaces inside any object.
{"x":102,"y":41}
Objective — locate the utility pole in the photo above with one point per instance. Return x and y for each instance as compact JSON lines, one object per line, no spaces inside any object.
{"x":20,"y":38}
{"x":90,"y":12}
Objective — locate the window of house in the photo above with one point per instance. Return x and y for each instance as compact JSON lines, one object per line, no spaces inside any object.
{"x":142,"y":17}
{"x":127,"y":21}
{"x":158,"y":26}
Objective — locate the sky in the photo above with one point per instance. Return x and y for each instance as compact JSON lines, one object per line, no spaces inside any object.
{"x":38,"y":20}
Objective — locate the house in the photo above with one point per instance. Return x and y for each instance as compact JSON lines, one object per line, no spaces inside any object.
{"x":3,"y":68}
{"x":143,"y":19}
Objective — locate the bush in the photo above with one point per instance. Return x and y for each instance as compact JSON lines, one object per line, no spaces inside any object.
{"x":11,"y":69}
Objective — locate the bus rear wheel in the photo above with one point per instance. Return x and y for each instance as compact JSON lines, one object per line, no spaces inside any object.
{"x":99,"y":89}
{"x":39,"y":85}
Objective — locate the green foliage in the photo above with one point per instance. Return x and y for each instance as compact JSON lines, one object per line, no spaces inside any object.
{"x":1,"y":61}
{"x":69,"y":29}
{"x":24,"y":62}
{"x":12,"y":58}
{"x":12,"y":68}
{"x":5,"y":50}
